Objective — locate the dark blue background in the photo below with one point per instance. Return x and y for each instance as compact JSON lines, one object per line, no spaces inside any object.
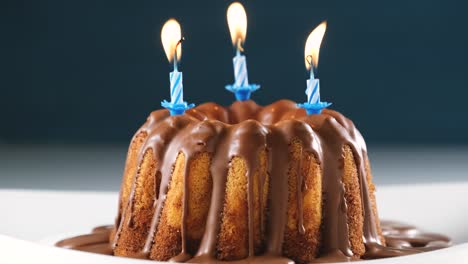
{"x":91,"y":71}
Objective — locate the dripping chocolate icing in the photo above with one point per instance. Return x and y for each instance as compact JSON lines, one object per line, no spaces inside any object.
{"x":244,"y":129}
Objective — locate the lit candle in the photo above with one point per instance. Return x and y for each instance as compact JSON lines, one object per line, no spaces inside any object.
{"x":311,"y":56}
{"x":237,"y":22}
{"x":171,"y":38}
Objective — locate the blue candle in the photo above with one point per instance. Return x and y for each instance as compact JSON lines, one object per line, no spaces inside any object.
{"x":237,"y":22}
{"x":311,"y":55}
{"x":313,"y":91}
{"x":177,"y":91}
{"x":171,"y":38}
{"x":240,"y":70}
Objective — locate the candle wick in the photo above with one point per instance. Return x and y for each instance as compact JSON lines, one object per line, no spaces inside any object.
{"x":312,"y":74}
{"x":239,"y":47}
{"x":312,"y":68}
{"x":175,"y":53}
{"x":175,"y":62}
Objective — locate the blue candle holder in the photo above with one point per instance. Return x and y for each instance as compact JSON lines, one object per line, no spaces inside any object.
{"x":176,"y":109}
{"x":242,"y":93}
{"x":314,"y":109}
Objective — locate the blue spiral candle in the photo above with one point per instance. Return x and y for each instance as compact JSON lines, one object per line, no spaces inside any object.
{"x":237,"y":22}
{"x":313,"y":91}
{"x":171,"y":38}
{"x":313,"y":104}
{"x":177,"y":91}
{"x":240,"y":70}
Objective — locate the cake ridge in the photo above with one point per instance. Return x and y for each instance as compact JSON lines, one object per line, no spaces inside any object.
{"x":212,"y":128}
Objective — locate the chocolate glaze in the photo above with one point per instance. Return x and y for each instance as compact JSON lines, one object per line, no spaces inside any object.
{"x":244,"y":129}
{"x":96,"y":242}
{"x":402,"y":239}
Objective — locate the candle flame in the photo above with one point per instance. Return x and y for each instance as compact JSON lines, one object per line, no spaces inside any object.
{"x":237,"y":22}
{"x":312,"y":47}
{"x":170,"y":37}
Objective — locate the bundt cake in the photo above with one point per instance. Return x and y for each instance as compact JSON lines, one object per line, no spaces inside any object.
{"x":246,"y":181}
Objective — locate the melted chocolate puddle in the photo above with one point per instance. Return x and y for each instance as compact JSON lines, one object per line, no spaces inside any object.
{"x":401,"y":239}
{"x":96,"y":242}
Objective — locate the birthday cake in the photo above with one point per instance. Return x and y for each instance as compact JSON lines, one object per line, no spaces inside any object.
{"x":247,"y":182}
